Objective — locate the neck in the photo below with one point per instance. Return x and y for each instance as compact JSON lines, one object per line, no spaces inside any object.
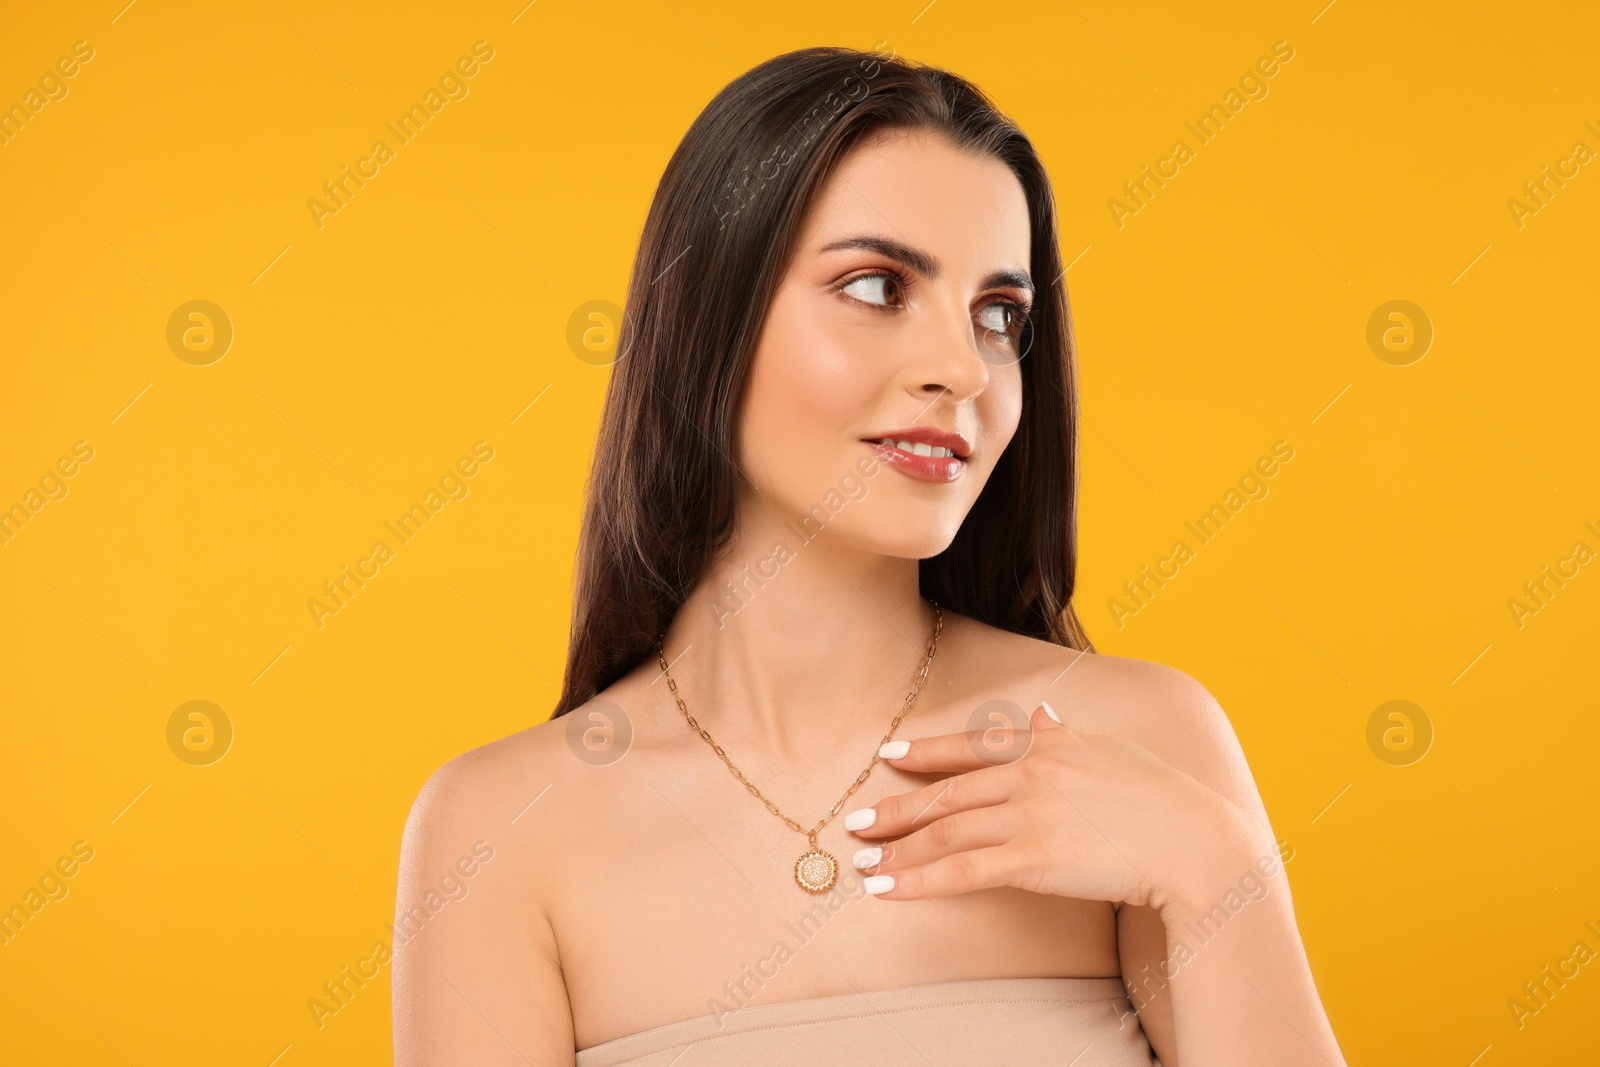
{"x":795,"y":646}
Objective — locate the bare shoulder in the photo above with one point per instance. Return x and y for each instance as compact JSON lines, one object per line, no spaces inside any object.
{"x":471,"y":805}
{"x":1150,"y":704}
{"x":1170,"y":713}
{"x":473,"y":938}
{"x":488,"y":792}
{"x":532,"y":794}
{"x":483,"y":776}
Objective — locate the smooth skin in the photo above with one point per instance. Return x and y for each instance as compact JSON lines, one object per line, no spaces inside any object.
{"x":635,"y":883}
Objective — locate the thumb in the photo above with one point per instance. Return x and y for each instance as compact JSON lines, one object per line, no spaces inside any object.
{"x":1045,"y":718}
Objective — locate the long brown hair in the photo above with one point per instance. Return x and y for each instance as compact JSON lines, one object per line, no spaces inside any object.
{"x":718,"y":237}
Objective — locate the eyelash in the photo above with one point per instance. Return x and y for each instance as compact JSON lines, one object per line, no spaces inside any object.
{"x":1024,"y":314}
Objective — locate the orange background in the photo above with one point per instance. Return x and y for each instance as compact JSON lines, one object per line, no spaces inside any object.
{"x":371,"y":352}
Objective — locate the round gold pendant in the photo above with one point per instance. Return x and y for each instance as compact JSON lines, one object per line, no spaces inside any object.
{"x":816,"y":871}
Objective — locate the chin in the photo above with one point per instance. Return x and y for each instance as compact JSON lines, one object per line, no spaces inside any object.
{"x":920,"y":543}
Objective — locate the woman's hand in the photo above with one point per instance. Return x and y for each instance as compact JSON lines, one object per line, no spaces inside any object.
{"x":1053,"y":810}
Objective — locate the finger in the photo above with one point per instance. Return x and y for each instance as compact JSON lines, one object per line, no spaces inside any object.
{"x":960,"y":831}
{"x":1045,"y":717}
{"x":968,"y":750}
{"x":961,"y":872}
{"x":901,"y":814}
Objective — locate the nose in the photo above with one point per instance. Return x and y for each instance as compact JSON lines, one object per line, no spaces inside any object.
{"x":947,"y":354}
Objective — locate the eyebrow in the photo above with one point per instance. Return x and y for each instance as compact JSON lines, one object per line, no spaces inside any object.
{"x":924,"y":263}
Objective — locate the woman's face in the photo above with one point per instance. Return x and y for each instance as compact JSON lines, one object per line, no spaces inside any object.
{"x":898,"y":313}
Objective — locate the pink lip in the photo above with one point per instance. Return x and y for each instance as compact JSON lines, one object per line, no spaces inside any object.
{"x":923,"y":468}
{"x":928,"y":435}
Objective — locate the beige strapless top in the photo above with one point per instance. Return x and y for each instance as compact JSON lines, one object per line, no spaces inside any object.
{"x":1036,"y":1022}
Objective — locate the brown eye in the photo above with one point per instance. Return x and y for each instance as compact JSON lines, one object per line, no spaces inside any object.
{"x":1004,"y":317}
{"x":881,"y":290}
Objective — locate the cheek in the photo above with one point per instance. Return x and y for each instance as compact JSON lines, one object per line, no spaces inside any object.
{"x":810,"y":387}
{"x":1000,"y":409}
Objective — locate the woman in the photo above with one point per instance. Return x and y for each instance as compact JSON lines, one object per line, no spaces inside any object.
{"x":834,"y":491}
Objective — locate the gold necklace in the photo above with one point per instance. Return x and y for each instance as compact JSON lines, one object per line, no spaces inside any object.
{"x":816,"y":870}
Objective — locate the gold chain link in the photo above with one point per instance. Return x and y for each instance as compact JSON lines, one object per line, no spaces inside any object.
{"x":922,"y":676}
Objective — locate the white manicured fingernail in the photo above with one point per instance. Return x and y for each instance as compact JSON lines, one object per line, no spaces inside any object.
{"x":1048,"y":710}
{"x":868,"y":857}
{"x":860,"y":819}
{"x":894,"y":749}
{"x":878,"y":883}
